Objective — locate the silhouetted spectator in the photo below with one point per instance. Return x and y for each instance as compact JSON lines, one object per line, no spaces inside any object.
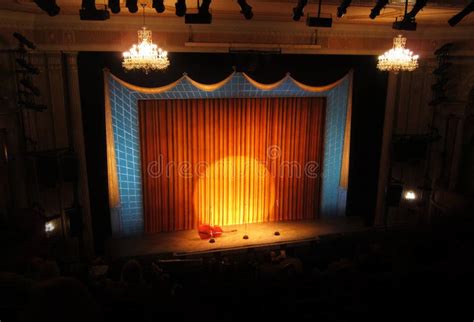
{"x":132,"y":273}
{"x":14,"y":292}
{"x":61,"y":299}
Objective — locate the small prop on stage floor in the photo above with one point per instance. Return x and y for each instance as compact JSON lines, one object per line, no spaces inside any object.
{"x":210,"y":232}
{"x":245,"y":235}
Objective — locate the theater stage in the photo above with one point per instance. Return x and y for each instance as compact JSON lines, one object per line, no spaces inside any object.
{"x":187,"y":242}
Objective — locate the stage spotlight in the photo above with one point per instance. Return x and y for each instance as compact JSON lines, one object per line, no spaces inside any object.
{"x":378,"y":7}
{"x":298,"y":10}
{"x":159,"y":6}
{"x":318,"y":21}
{"x":458,"y":17}
{"x":444,"y":50}
{"x":419,"y":4}
{"x":202,"y":17}
{"x":88,"y":5}
{"x":342,"y":9}
{"x":49,"y":6}
{"x":442,"y":69}
{"x":22,"y":39}
{"x":407,"y":23}
{"x":27,"y":66}
{"x":90,"y":12}
{"x":32,"y":106}
{"x":29,"y":85}
{"x":22,"y":50}
{"x":204,"y":7}
{"x":132,"y":5}
{"x":114,"y":6}
{"x":180,"y":6}
{"x":440,"y":84}
{"x":245,"y":9}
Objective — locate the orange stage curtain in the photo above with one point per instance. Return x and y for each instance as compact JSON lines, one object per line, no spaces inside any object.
{"x":230,"y":161}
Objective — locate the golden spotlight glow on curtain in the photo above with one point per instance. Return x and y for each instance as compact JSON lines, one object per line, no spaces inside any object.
{"x":230,"y":161}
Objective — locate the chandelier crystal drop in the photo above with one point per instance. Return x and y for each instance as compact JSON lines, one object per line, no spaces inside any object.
{"x":145,"y":55}
{"x":398,"y":58}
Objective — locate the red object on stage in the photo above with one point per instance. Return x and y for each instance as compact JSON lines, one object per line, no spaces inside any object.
{"x":209,"y":231}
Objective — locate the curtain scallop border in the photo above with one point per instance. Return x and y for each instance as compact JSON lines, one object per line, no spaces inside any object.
{"x":216,"y":86}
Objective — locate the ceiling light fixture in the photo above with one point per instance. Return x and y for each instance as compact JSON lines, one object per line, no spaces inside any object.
{"x":27,"y":67}
{"x":398,"y":58}
{"x":159,"y":6}
{"x":378,"y":7}
{"x":319,"y":21}
{"x":24,"y":41}
{"x":407,"y":21}
{"x":204,"y":7}
{"x":132,"y":5}
{"x":180,"y":6}
{"x":458,"y":17}
{"x":146,"y":55}
{"x":298,"y":10}
{"x":49,"y":227}
{"x":114,"y":6}
{"x":342,"y":9}
{"x":409,"y":195}
{"x":89,"y":11}
{"x":245,"y":9}
{"x":419,"y":4}
{"x":203,"y":15}
{"x":49,"y":6}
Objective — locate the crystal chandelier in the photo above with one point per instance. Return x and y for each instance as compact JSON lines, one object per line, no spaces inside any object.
{"x":398,"y":58}
{"x":146,"y":55}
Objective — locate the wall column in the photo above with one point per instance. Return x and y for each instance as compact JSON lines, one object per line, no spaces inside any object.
{"x":384,"y":165}
{"x":77,"y":135}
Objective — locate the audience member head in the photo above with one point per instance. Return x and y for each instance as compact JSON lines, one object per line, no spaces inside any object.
{"x":132,"y":273}
{"x":48,"y":270}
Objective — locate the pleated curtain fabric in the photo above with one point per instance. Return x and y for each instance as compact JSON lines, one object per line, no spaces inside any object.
{"x":230,"y":161}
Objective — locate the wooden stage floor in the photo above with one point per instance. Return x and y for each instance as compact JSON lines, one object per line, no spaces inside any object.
{"x":260,"y":235}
